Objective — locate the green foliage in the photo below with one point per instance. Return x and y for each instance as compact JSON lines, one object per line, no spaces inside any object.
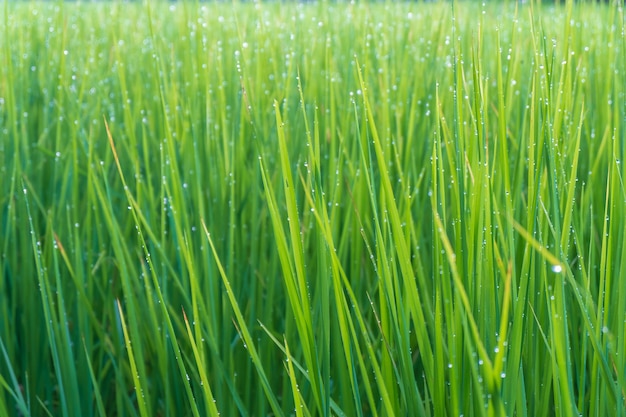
{"x":312,"y":209}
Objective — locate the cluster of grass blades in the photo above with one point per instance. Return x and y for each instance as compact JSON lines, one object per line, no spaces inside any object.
{"x":322,"y":209}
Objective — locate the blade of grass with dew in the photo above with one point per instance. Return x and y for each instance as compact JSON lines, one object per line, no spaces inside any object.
{"x":347,"y":328}
{"x":201,"y":366}
{"x":247,"y":338}
{"x":168,"y":320}
{"x":394,"y":218}
{"x":133,"y":365}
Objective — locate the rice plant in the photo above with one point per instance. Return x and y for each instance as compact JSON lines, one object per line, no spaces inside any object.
{"x":312,"y":209}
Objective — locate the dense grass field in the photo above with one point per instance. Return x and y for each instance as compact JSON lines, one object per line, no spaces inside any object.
{"x":312,"y":209}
